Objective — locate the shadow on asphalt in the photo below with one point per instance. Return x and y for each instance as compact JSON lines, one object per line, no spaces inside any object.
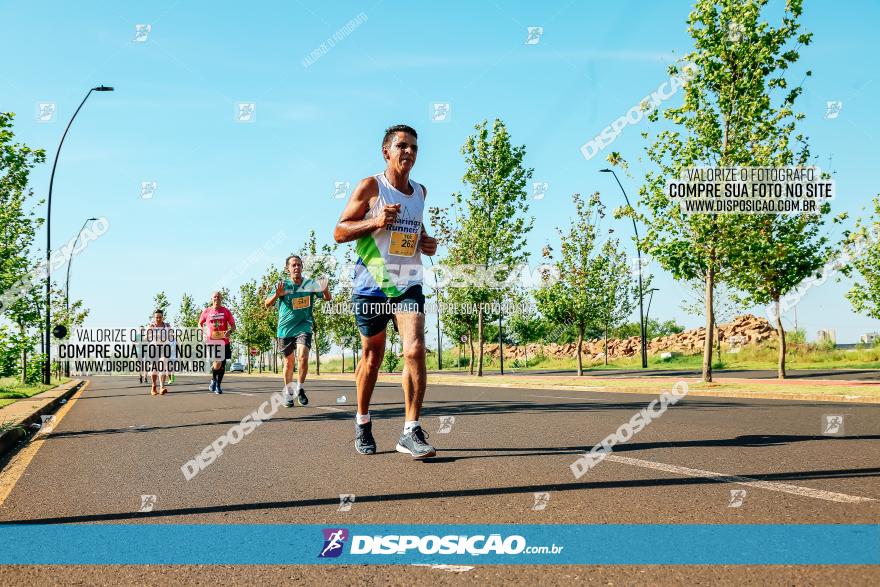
{"x":391,"y":411}
{"x":479,"y":492}
{"x":748,"y":441}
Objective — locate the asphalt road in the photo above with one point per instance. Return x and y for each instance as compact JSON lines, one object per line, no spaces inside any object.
{"x":118,"y":443}
{"x":805,"y":374}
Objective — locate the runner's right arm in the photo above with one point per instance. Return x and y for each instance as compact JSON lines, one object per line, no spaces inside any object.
{"x":279,"y":293}
{"x":353,"y":223}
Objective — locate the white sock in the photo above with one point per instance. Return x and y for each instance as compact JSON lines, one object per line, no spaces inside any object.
{"x":409,"y":425}
{"x":299,"y":386}
{"x":362,"y":418}
{"x":288,"y":389}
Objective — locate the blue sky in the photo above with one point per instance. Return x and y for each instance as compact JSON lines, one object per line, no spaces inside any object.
{"x":224,"y":187}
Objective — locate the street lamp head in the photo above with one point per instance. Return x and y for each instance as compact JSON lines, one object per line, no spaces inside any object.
{"x":90,"y":219}
{"x":103,"y":89}
{"x":606,"y":170}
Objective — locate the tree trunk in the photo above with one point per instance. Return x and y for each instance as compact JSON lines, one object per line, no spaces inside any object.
{"x":471,"y":343}
{"x":500,"y":345}
{"x":717,"y":332}
{"x":781,"y":331}
{"x":707,"y":346}
{"x":480,"y":342}
{"x":317,"y":356}
{"x":23,"y":356}
{"x":606,"y":344}
{"x":580,"y":342}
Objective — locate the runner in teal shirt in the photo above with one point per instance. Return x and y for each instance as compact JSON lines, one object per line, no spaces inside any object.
{"x":294,"y":297}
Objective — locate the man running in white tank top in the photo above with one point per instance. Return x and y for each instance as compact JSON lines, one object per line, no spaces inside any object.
{"x":384,"y":216}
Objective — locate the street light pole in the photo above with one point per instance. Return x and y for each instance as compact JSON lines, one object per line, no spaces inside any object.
{"x":439,"y":340}
{"x":67,"y":283}
{"x":642,"y":326}
{"x":69,"y":263}
{"x":47,"y":371}
{"x":648,"y":311}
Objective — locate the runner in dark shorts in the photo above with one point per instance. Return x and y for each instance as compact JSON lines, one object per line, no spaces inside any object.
{"x":294,"y":298}
{"x":383,"y":217}
{"x":219,"y":324}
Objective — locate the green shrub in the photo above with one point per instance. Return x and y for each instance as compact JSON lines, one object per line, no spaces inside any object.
{"x":34,"y":373}
{"x":798,"y":336}
{"x":391,"y":361}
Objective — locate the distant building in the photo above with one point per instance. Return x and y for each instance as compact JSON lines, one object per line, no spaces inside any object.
{"x":869,"y":338}
{"x":827,"y":336}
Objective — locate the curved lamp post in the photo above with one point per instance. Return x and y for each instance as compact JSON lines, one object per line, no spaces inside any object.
{"x":47,"y":371}
{"x":641,"y":292}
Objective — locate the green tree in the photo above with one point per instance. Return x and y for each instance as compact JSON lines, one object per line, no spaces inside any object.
{"x":573,"y":298}
{"x":188,"y":313}
{"x":251,"y":324}
{"x":19,"y":295}
{"x":783,"y":251}
{"x":656,"y":329}
{"x":727,"y":304}
{"x":861,"y":248}
{"x":160,"y":302}
{"x":340,"y":322}
{"x":490,"y":225}
{"x":270,"y":315}
{"x":737,"y":111}
{"x":526,"y":326}
{"x":616,"y":290}
{"x":319,"y":264}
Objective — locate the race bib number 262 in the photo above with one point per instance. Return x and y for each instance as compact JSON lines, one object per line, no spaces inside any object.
{"x":403,"y":244}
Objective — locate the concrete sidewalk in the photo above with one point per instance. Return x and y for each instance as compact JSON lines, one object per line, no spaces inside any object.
{"x":27,"y":411}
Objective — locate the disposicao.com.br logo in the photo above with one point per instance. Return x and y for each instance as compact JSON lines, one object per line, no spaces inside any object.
{"x":334,"y":540}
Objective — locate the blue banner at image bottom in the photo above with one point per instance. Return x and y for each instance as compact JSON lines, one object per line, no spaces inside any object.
{"x":439,"y":544}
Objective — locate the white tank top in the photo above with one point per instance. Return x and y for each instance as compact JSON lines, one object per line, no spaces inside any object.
{"x":389,"y":261}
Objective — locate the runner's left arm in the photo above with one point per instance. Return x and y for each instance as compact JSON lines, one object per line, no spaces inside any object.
{"x":231,"y":319}
{"x":427,"y":243}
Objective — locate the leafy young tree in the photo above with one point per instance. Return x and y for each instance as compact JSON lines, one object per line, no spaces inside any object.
{"x":527,"y":327}
{"x":270,"y":315}
{"x":251,"y":325}
{"x":188,"y":313}
{"x":655,"y":328}
{"x":572,"y":299}
{"x":26,"y":314}
{"x":340,"y":322}
{"x":319,"y":264}
{"x":732,"y":115}
{"x":17,"y":221}
{"x":616,"y":291}
{"x":490,"y":226}
{"x":783,"y":252}
{"x":861,"y":248}
{"x":727,"y":304}
{"x":160,"y":302}
{"x":19,"y":296}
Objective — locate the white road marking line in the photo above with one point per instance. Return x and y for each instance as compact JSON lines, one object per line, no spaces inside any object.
{"x":586,"y":399}
{"x":748,"y":481}
{"x":240,"y":393}
{"x":329,"y":409}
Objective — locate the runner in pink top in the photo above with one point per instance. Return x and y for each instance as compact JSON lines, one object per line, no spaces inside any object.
{"x":218,"y":323}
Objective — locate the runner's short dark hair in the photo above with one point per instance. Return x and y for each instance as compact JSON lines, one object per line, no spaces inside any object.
{"x":289,"y":257}
{"x":159,"y":311}
{"x":392,"y":130}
